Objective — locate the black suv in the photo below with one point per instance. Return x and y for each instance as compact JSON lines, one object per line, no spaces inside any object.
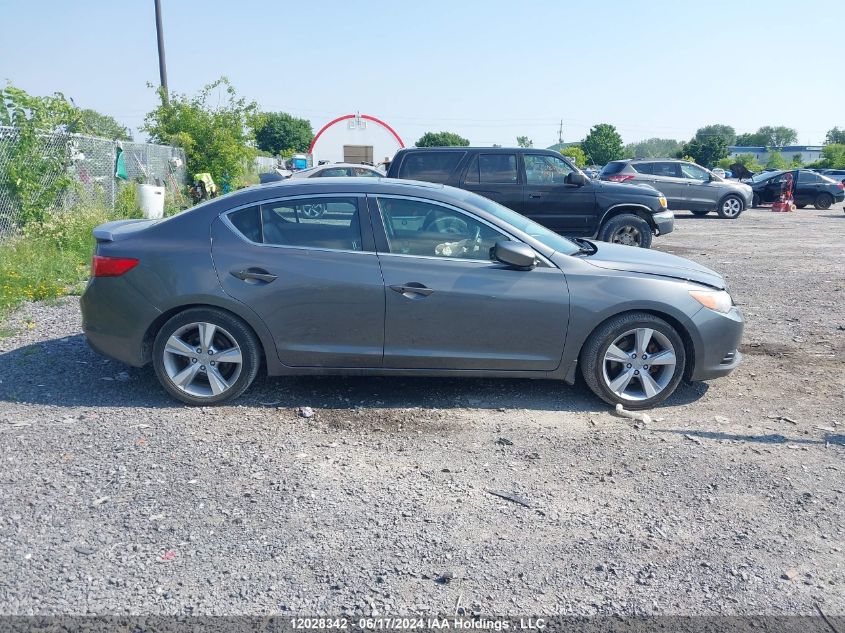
{"x":544,"y":186}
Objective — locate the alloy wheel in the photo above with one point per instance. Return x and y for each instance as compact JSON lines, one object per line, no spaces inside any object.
{"x":627,"y":235}
{"x":639,"y":364}
{"x":202,"y":359}
{"x":731,"y":207}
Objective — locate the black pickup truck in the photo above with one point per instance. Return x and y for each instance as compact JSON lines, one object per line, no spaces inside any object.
{"x":546,"y":187}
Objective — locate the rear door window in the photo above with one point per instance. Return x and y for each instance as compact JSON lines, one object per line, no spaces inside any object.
{"x":643,"y":168}
{"x":430,"y":166}
{"x":497,"y":168}
{"x":669,"y":170}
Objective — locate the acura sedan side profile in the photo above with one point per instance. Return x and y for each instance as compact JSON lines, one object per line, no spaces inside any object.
{"x":397,"y":278}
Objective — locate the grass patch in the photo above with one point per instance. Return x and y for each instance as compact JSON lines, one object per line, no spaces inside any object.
{"x":52,"y":258}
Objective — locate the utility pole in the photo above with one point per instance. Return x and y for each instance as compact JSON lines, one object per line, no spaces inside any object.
{"x":162,"y":68}
{"x":560,"y":133}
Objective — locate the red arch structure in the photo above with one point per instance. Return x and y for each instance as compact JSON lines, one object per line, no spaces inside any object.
{"x":352,"y":116}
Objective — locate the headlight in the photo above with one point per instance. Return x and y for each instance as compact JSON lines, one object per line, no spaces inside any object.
{"x":717,"y":300}
{"x":662,"y":201}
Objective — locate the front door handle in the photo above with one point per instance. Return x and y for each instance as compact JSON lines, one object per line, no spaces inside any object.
{"x":412,"y":290}
{"x":253,"y":275}
{"x":534,"y":195}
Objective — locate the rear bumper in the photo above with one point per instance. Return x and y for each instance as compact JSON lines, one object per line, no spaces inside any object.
{"x":717,"y":354}
{"x":115,"y":318}
{"x":664,"y":221}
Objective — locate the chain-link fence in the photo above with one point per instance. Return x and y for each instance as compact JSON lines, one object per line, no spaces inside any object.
{"x":81,"y":168}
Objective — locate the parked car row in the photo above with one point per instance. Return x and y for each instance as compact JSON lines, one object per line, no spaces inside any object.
{"x":810,"y":188}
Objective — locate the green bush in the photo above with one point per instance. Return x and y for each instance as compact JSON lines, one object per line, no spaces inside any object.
{"x":48,"y":259}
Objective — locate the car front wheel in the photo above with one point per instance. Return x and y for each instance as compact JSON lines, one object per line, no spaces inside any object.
{"x":634,"y":359}
{"x":731,"y":207}
{"x":205,"y":356}
{"x":823,"y":201}
{"x":627,"y":229}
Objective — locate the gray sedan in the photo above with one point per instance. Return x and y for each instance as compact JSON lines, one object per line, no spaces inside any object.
{"x":397,"y":278}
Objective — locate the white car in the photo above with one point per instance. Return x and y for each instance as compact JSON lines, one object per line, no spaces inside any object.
{"x":718,"y":171}
{"x":332,"y":170}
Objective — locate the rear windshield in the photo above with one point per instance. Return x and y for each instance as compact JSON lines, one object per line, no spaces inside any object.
{"x":613,"y":168}
{"x":430,"y":166}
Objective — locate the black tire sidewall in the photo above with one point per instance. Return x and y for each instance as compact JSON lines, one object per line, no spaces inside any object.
{"x":755,"y":201}
{"x":246,"y":339}
{"x":826,"y":197}
{"x":627,"y":219}
{"x":700,"y":213}
{"x":592,"y":356}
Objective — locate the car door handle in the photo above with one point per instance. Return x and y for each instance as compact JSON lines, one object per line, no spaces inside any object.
{"x":412,"y":290}
{"x":253,"y":275}
{"x":534,"y":195}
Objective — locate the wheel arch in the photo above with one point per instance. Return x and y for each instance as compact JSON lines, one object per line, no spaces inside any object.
{"x":624,"y":208}
{"x":729,"y":194}
{"x":265,"y":342}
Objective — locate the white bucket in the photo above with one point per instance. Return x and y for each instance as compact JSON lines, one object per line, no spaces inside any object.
{"x":151,"y":201}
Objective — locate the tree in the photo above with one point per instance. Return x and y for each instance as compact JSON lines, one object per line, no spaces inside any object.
{"x":705,"y":152}
{"x":94,"y":123}
{"x":280,"y":133}
{"x":603,"y":144}
{"x":441,"y":139}
{"x":777,"y":161}
{"x":835,"y":136}
{"x":778,"y":136}
{"x":751,"y":139}
{"x":524,"y":141}
{"x":652,"y":148}
{"x":576,"y":154}
{"x":35,"y":175}
{"x":717,"y":129}
{"x":797,"y":161}
{"x":833,"y":156}
{"x":215,"y":137}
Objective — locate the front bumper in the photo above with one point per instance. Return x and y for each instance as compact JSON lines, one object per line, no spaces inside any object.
{"x":664,"y":221}
{"x":717,"y":353}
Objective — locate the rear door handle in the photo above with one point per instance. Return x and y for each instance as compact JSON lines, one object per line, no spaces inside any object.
{"x":253,"y":275}
{"x":412,"y":290}
{"x":534,"y":195}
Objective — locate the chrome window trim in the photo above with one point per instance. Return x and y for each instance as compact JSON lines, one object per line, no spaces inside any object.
{"x":469,"y":214}
{"x":225,"y":218}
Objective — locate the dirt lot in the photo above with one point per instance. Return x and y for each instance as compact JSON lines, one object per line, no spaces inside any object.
{"x":114,"y":499}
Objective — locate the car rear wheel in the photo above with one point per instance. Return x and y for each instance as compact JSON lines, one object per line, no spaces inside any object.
{"x":731,"y":207}
{"x":627,"y":229}
{"x":205,"y":356}
{"x":635,"y":359}
{"x":700,"y":213}
{"x":823,"y":201}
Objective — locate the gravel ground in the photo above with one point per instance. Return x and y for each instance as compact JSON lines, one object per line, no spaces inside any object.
{"x":114,"y":499}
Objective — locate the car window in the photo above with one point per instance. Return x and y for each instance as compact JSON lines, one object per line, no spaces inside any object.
{"x":541,"y":169}
{"x":808,"y":176}
{"x":471,"y":176}
{"x":643,"y":168}
{"x":613,"y":167}
{"x":666,"y":169}
{"x":693,"y":172}
{"x":430,"y":166}
{"x":363,"y":172}
{"x":497,"y":168}
{"x":333,"y":172}
{"x":330,"y":222}
{"x":414,"y":227}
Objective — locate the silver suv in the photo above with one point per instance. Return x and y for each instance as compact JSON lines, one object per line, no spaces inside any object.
{"x":685,"y":185}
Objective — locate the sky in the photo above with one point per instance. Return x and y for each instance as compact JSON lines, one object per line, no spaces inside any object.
{"x":490,"y":71}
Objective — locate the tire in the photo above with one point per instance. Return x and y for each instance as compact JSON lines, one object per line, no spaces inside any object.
{"x":755,"y":201}
{"x":700,"y":213}
{"x":600,"y":370}
{"x":627,"y":229}
{"x":823,"y":201}
{"x":176,"y":356}
{"x":730,"y":207}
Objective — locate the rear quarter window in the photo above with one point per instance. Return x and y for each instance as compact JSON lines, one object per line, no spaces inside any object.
{"x":430,"y":166}
{"x":613,"y":168}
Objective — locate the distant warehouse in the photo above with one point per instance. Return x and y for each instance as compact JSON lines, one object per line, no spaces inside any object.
{"x":805,"y":153}
{"x":355,"y":138}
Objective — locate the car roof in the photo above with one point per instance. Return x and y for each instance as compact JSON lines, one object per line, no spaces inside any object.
{"x":462,"y":148}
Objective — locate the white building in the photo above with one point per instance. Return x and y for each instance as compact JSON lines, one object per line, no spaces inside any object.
{"x":806,"y":153}
{"x":355,"y":138}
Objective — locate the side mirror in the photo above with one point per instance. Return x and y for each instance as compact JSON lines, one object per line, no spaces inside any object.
{"x":574,"y":178}
{"x":515,"y":254}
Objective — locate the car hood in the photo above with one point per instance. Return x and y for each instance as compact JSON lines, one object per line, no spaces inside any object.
{"x":607,"y":186}
{"x":649,"y":262}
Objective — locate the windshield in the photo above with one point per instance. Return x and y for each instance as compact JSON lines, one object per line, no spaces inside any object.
{"x":537,"y":231}
{"x":763,"y":175}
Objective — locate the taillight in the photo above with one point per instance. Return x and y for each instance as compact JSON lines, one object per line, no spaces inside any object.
{"x":111,"y":266}
{"x":840,"y":185}
{"x":620,"y":177}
